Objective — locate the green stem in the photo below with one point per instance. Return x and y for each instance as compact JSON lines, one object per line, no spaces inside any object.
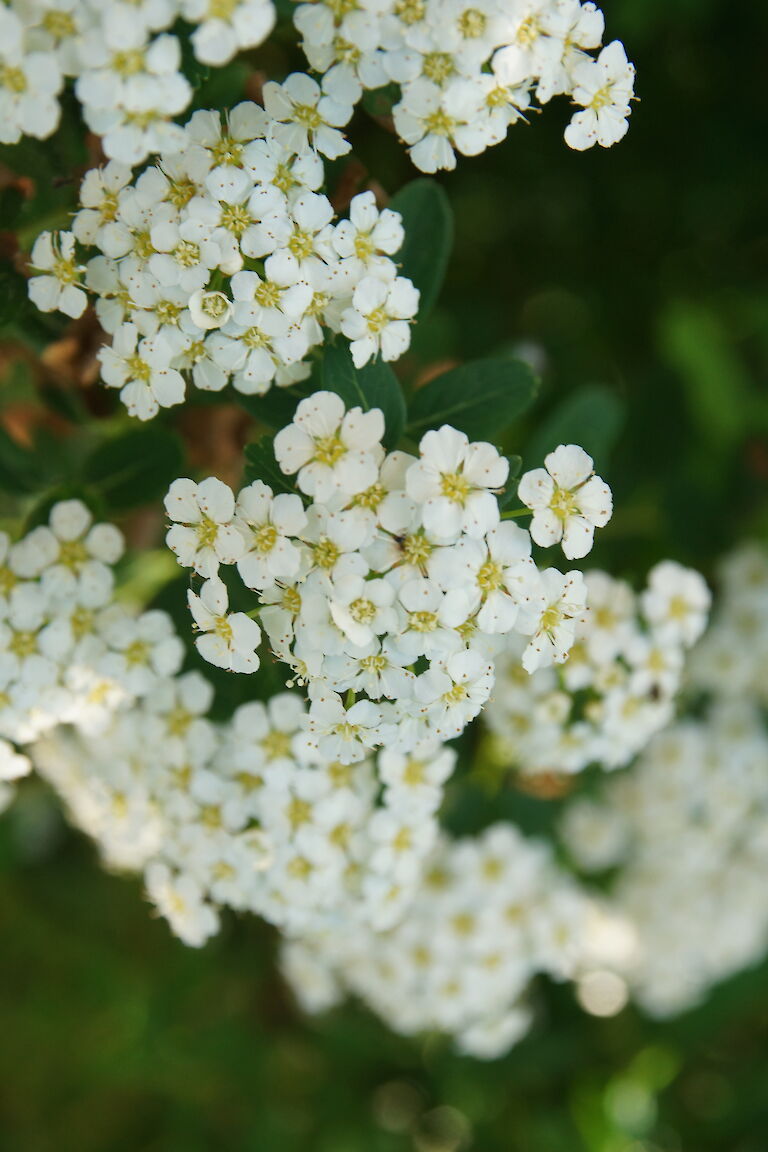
{"x":515,"y":512}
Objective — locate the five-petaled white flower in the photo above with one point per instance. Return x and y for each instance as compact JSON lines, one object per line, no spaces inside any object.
{"x":567,"y":499}
{"x":229,"y":639}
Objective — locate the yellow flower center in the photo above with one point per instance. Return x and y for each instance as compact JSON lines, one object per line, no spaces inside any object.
{"x":456,"y":694}
{"x":23,"y":644}
{"x":187,"y":254}
{"x":72,"y":553}
{"x":136,"y":653}
{"x":301,"y":244}
{"x":227,"y":151}
{"x":410,"y":11}
{"x":438,"y":67}
{"x":265,"y":538}
{"x":490,"y":576}
{"x":363,"y":611}
{"x":59,"y":24}
{"x":422,"y":621}
{"x":276,"y":745}
{"x":268,"y":294}
{"x":207,"y":531}
{"x":326,"y":553}
{"x":236,"y":219}
{"x":329,"y":450}
{"x":563,"y":503}
{"x":299,"y":812}
{"x":416,"y":549}
{"x":455,"y":487}
{"x":178,"y":721}
{"x":13,"y":79}
{"x":223,"y":628}
{"x":181,"y":192}
{"x":221,"y":9}
{"x":472,"y":23}
{"x":377,"y":320}
{"x":128,"y":63}
{"x":138,"y":368}
{"x":8,"y":580}
{"x":308,"y":116}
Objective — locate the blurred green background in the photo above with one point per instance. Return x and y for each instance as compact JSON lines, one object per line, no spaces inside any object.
{"x":637,"y":277}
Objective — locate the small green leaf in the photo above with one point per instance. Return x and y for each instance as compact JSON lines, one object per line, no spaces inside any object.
{"x":592,"y":418}
{"x":481,"y":398}
{"x":136,"y":467}
{"x":510,"y":488}
{"x":373,"y":386}
{"x":428,"y":223}
{"x":14,"y":301}
{"x":278,"y":406}
{"x":260,"y":464}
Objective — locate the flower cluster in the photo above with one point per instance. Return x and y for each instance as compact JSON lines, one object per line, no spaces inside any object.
{"x":248,"y":815}
{"x":468,"y":69}
{"x":491,"y":913}
{"x":388,"y":589}
{"x":618,"y":685}
{"x":68,"y":653}
{"x":687,"y":828}
{"x":221,"y":263}
{"x":125,"y":64}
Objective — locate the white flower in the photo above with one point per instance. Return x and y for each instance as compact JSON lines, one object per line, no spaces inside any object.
{"x":225,"y":27}
{"x":368,"y":233}
{"x":331,"y":449}
{"x":552,"y":626}
{"x":267,"y":524}
{"x":55,"y":285}
{"x":179,"y":898}
{"x":142,"y":372}
{"x":604,"y":87}
{"x":676,"y":603}
{"x":12,"y":764}
{"x":455,"y":691}
{"x":362,"y":609}
{"x":567,"y":499}
{"x":454,"y":480}
{"x":377,"y":322}
{"x":340,"y":733}
{"x":497,"y":572}
{"x":29,"y":85}
{"x":230,"y":640}
{"x":430,"y":620}
{"x":308,"y":115}
{"x":435,"y":120}
{"x":204,"y":535}
{"x":209,"y":309}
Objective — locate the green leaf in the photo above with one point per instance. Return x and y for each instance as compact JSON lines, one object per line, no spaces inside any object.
{"x":135,"y":467}
{"x":592,"y":418}
{"x":260,"y":464}
{"x":278,"y":406}
{"x":481,"y":398}
{"x":14,"y":301}
{"x":428,"y":223}
{"x":374,"y":386}
{"x":510,"y":488}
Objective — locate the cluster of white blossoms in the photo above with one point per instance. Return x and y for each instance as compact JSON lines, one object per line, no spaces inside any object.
{"x":249,"y":815}
{"x":387,"y":590}
{"x":221,"y":263}
{"x":491,"y":913}
{"x":126,"y":66}
{"x":69,"y":654}
{"x":618,"y":686}
{"x":687,"y":827}
{"x":468,"y":69}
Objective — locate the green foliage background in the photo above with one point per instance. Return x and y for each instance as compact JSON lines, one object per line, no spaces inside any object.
{"x":641,"y":273}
